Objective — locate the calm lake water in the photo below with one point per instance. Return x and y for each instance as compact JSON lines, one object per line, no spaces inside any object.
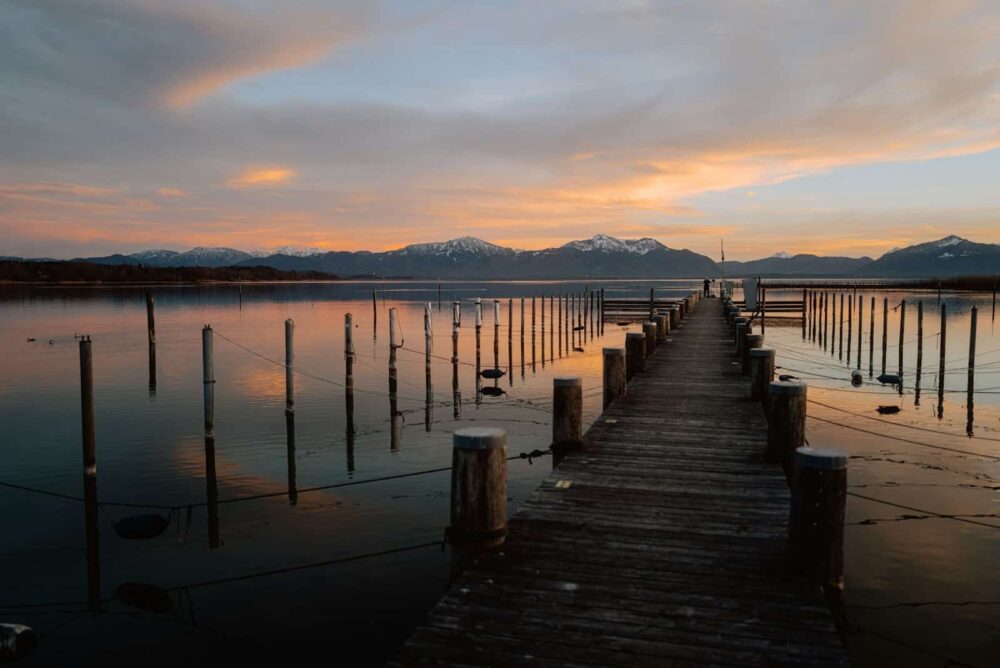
{"x":280,"y":570}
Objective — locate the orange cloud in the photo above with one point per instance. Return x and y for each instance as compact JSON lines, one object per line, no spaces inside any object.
{"x":261,"y":176}
{"x":171,"y":192}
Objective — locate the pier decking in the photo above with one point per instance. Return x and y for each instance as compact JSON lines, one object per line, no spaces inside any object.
{"x":662,"y":541}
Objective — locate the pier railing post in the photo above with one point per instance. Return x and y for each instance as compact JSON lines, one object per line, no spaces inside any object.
{"x":635,"y":354}
{"x":615,"y":382}
{"x":478,"y":485}
{"x":649,"y":331}
{"x":567,"y":416}
{"x":750,"y":342}
{"x":786,"y":427}
{"x":816,"y":526}
{"x":761,"y":373}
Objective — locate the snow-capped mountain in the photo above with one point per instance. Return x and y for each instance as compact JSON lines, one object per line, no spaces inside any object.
{"x":459,"y":246}
{"x":608,"y":244}
{"x":950,"y":256}
{"x":294,"y":251}
{"x":781,"y":255}
{"x":157,"y":257}
{"x":196,"y":257}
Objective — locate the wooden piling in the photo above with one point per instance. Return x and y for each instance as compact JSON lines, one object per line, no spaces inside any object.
{"x":89,"y":447}
{"x":649,"y":332}
{"x":602,"y":310}
{"x":208,"y":380}
{"x":150,"y":319}
{"x":567,"y":416}
{"x":661,"y":327}
{"x":635,"y":354}
{"x":902,"y":332}
{"x":761,"y":373}
{"x":885,"y":329}
{"x":478,"y":485}
{"x":861,"y":322}
{"x":560,"y":324}
{"x":532,"y":333}
{"x":496,"y":334}
{"x":850,"y":327}
{"x":805,"y":296}
{"x":428,"y":348}
{"x":374,"y":314}
{"x":741,"y":335}
{"x":615,"y":380}
{"x":970,"y":389}
{"x":289,"y":366}
{"x":816,"y":526}
{"x":349,"y":352}
{"x":552,"y":328}
{"x":395,"y":342}
{"x":652,"y":301}
{"x":833,"y":325}
{"x":871,"y":341}
{"x":920,"y":349}
{"x":786,"y":430}
{"x":522,"y":337}
{"x":941,"y":371}
{"x":750,"y":342}
{"x":543,"y":331}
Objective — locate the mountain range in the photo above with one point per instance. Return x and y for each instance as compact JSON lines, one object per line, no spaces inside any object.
{"x":601,"y":256}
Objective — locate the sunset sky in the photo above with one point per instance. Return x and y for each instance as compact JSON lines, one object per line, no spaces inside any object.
{"x":826,"y":127}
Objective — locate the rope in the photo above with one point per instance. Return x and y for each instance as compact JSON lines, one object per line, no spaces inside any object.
{"x":925,"y":512}
{"x":908,"y":426}
{"x":902,"y":440}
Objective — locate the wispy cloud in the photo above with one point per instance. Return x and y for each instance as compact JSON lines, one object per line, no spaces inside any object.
{"x":261,"y":176}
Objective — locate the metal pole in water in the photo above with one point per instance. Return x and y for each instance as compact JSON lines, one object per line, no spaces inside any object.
{"x":522,"y":337}
{"x":89,"y":443}
{"x":496,"y":333}
{"x":289,"y":367}
{"x":559,"y":303}
{"x":349,"y":380}
{"x":833,"y":327}
{"x":211,"y":483}
{"x":943,"y":342}
{"x":456,"y":323}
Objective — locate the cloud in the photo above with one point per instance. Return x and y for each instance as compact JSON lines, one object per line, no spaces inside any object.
{"x":261,"y":176}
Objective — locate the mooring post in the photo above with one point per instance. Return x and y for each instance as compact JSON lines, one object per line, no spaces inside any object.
{"x":439,"y":297}
{"x":786,"y":426}
{"x":805,"y":296}
{"x":861,"y":323}
{"x":374,"y":314}
{"x":522,"y":337}
{"x":615,"y":379}
{"x":571,"y":316}
{"x":970,"y":391}
{"x":349,"y":352}
{"x":552,"y":327}
{"x":496,"y":334}
{"x":208,"y":380}
{"x":428,"y":347}
{"x":920,"y":349}
{"x":902,"y":331}
{"x":150,"y":319}
{"x":840,"y":327}
{"x":816,"y":526}
{"x":741,"y":335}
{"x":289,"y":366}
{"x":532,"y":333}
{"x":761,"y":373}
{"x":675,"y":317}
{"x":871,"y":341}
{"x":567,"y":416}
{"x":885,"y":329}
{"x":635,"y":354}
{"x":478,"y":485}
{"x":651,"y":300}
{"x":602,"y":308}
{"x":394,"y":343}
{"x":543,"y":330}
{"x":559,"y":322}
{"x":661,"y":328}
{"x":750,"y":342}
{"x":89,"y":443}
{"x":943,"y":344}
{"x":649,"y":332}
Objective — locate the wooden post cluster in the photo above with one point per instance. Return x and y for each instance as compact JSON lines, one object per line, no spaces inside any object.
{"x":567,"y":416}
{"x":478,"y":485}
{"x":816,"y":526}
{"x":615,"y":378}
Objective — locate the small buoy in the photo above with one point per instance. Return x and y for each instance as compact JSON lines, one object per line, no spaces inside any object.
{"x":144,"y":597}
{"x":579,"y":328}
{"x":493,"y":373}
{"x":578,"y":350}
{"x":16,"y":641}
{"x":890,"y":379}
{"x":888,"y":410}
{"x":141,"y":527}
{"x":857,"y":378}
{"x":492,"y":391}
{"x":785,"y":377}
{"x":51,"y":342}
{"x":30,"y":340}
{"x":623,"y":323}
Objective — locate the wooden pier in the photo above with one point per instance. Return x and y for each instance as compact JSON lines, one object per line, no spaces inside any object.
{"x":663,"y":540}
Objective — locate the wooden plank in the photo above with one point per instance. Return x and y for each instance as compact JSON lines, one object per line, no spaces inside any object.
{"x":668,"y":546}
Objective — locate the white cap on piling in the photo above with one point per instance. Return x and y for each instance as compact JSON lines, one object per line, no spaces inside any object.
{"x":479,"y":438}
{"x":615,"y":350}
{"x":787,"y":387}
{"x":762,"y":352}
{"x":634,"y":335}
{"x":567,"y":381}
{"x":823,"y":459}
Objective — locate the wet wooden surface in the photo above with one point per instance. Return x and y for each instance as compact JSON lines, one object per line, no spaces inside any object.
{"x":665,"y":546}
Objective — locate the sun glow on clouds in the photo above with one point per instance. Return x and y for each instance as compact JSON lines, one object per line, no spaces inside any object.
{"x":261,"y":176}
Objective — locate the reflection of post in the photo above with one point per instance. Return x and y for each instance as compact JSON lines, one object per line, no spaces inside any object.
{"x":289,"y":367}
{"x":293,"y":494}
{"x":211,"y":485}
{"x":89,"y":443}
{"x":152,"y":369}
{"x":970,"y":396}
{"x":942,"y":344}
{"x":920,"y":348}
